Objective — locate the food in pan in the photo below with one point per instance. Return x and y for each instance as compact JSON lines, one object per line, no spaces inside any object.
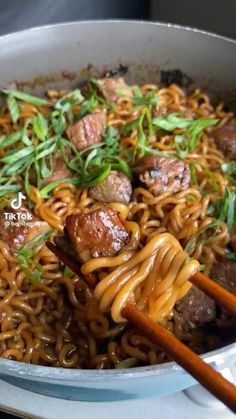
{"x":136,"y":186}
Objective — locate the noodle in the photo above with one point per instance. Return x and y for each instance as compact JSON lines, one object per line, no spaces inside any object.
{"x":61,"y":321}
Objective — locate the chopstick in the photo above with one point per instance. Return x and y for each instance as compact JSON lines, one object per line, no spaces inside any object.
{"x":211,"y":379}
{"x":223,"y":297}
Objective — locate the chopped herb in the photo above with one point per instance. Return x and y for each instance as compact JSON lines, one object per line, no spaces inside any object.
{"x":6,"y":141}
{"x":58,"y":121}
{"x":210,"y":210}
{"x":189,"y":247}
{"x":225,"y":208}
{"x":213,"y":178}
{"x":229,"y":168}
{"x":87,"y":106}
{"x":14,"y":108}
{"x":40,"y":126}
{"x":202,"y":267}
{"x":45,"y":191}
{"x":65,"y":103}
{"x":189,"y":140}
{"x":26,"y":97}
{"x":181,"y":152}
{"x":195,"y":130}
{"x":150,"y":99}
{"x":67,"y":271}
{"x":130,"y":126}
{"x":171,"y":122}
{"x":192,"y":168}
{"x":25,"y":256}
{"x":190,"y":197}
{"x":230,"y":256}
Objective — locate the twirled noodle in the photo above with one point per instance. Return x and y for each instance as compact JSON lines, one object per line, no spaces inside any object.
{"x":158,"y":274}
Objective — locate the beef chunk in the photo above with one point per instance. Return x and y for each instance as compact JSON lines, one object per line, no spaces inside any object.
{"x":19,"y":231}
{"x":225,"y":138}
{"x":60,"y":170}
{"x":87,"y":131}
{"x":225,"y":274}
{"x":110,"y":85}
{"x":161,"y":174}
{"x":115,"y":188}
{"x":98,"y":233}
{"x":195,"y":309}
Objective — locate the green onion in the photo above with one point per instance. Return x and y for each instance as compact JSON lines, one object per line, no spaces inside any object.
{"x":230,"y":256}
{"x":229,"y":168}
{"x":190,"y":244}
{"x":213,"y":178}
{"x":45,"y":191}
{"x":189,"y":140}
{"x":40,"y":126}
{"x":225,"y":208}
{"x":65,"y":103}
{"x":6,"y":141}
{"x":195,"y":130}
{"x":13,"y":107}
{"x":130,"y":126}
{"x":26,"y":97}
{"x":150,"y":99}
{"x":171,"y":122}
{"x":25,"y":256}
{"x":193,"y":176}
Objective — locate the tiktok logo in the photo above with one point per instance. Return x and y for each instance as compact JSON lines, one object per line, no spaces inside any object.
{"x":16,"y":203}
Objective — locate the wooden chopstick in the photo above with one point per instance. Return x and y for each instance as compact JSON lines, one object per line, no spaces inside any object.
{"x":211,"y":379}
{"x":223,"y":297}
{"x":189,"y":360}
{"x":71,"y":262}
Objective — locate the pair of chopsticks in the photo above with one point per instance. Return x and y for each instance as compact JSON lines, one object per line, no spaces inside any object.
{"x":211,"y":379}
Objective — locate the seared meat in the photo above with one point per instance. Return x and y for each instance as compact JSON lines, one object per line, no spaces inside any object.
{"x":98,"y":233}
{"x":225,"y":274}
{"x":115,"y":188}
{"x":87,"y":131}
{"x":16,"y":232}
{"x":161,"y":174}
{"x":225,"y":138}
{"x":195,"y":309}
{"x":60,"y":171}
{"x":110,"y":85}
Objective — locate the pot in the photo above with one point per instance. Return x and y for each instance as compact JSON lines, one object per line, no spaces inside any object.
{"x":63,"y":56}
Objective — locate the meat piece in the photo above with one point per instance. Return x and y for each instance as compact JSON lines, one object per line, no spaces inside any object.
{"x":161,"y":174}
{"x":225,"y":138}
{"x":195,"y":309}
{"x":98,"y":233}
{"x":233,"y":243}
{"x":110,"y":85}
{"x":115,"y":188}
{"x":60,"y":171}
{"x":19,"y":226}
{"x":225,"y":274}
{"x":87,"y":131}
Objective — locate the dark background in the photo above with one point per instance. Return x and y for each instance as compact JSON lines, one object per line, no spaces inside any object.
{"x":214,"y":15}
